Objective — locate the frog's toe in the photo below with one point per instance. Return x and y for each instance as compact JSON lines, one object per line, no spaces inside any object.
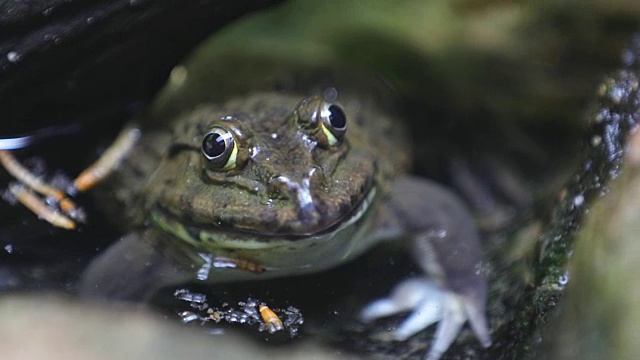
{"x":427,"y":312}
{"x":407,"y":295}
{"x":474,"y":308}
{"x":453,"y":317}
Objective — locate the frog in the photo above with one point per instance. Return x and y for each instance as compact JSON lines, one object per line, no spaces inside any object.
{"x":271,"y":184}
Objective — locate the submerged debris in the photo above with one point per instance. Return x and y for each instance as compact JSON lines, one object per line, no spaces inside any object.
{"x":249,"y":312}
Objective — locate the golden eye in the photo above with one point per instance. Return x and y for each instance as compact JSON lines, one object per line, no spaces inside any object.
{"x":322,"y":120}
{"x":220,"y":149}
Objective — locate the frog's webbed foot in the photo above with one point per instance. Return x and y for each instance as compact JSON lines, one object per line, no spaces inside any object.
{"x":428,"y":304}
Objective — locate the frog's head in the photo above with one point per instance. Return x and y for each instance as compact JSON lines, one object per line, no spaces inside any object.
{"x":268,"y":165}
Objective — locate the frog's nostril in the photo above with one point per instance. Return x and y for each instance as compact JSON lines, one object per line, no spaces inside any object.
{"x":306,"y":206}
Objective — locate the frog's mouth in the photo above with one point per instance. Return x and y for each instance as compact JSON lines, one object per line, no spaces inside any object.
{"x":208,"y":235}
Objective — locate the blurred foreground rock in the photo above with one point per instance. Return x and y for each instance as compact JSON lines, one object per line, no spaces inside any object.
{"x":55,"y":328}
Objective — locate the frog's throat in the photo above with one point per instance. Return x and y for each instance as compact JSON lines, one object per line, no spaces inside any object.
{"x":211,"y":237}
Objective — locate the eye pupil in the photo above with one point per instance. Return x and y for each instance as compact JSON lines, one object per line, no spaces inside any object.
{"x":213,"y":145}
{"x":337,"y":117}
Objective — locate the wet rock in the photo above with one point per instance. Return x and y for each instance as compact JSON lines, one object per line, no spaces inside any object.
{"x":599,"y":318}
{"x":74,"y":61}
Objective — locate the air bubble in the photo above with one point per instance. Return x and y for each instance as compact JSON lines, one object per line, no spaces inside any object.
{"x":178,"y":75}
{"x":563,"y":279}
{"x":13,"y":57}
{"x":616,"y":94}
{"x":330,"y":94}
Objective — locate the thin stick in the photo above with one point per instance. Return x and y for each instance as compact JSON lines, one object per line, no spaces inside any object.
{"x":33,"y":182}
{"x":38,"y":207}
{"x":85,"y":181}
{"x":109,"y":160}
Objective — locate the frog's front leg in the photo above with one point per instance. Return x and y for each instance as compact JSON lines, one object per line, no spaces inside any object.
{"x":132,"y":269}
{"x":137,"y":266}
{"x":446,"y":246}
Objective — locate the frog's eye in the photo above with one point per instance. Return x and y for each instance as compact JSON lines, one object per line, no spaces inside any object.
{"x":323,"y":120}
{"x":334,"y":122}
{"x":220,"y":149}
